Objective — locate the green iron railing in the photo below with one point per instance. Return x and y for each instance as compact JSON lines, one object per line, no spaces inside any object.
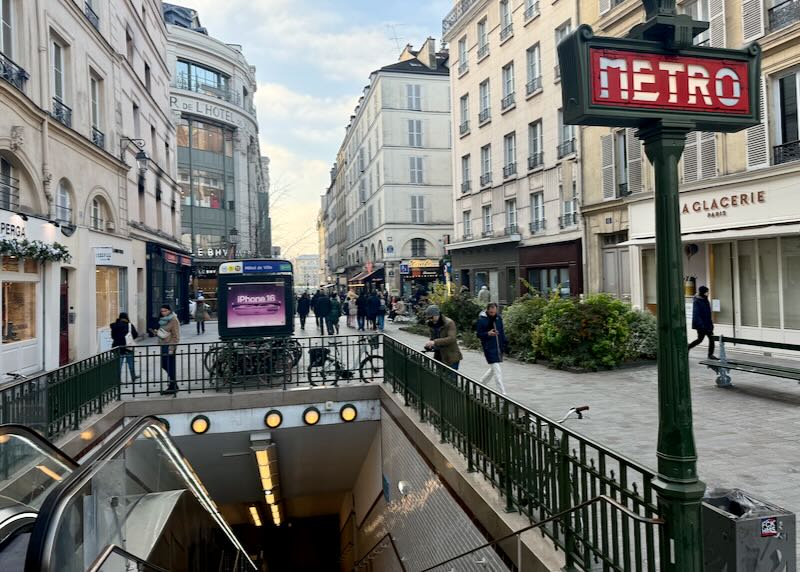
{"x":541,"y":467}
{"x":58,"y":401}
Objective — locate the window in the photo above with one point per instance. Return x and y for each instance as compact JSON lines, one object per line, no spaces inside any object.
{"x":417,"y":209}
{"x":63,"y":203}
{"x":418,"y":247}
{"x":370,"y":218}
{"x":415,"y":170}
{"x":485,"y":100}
{"x":465,"y":174}
{"x":467,"y":221}
{"x":788,"y":148}
{"x":537,"y":211}
{"x":147,"y":80}
{"x":98,"y":215}
{"x":19,"y":311}
{"x":486,"y":161}
{"x":566,"y":137}
{"x":562,"y":32}
{"x":569,"y":215}
{"x":464,"y":109}
{"x":58,"y":72}
{"x":483,"y":40}
{"x":511,"y":216}
{"x":531,"y":8}
{"x":621,"y":162}
{"x":111,"y":288}
{"x":414,"y":133}
{"x":510,"y":149}
{"x":129,"y":45}
{"x":137,"y":126}
{"x":9,"y":187}
{"x":94,"y":101}
{"x":550,"y":279}
{"x":505,"y":15}
{"x":486,"y":214}
{"x":202,"y":79}
{"x":413,"y":99}
{"x":508,"y":80}
{"x":463,"y":63}
{"x":534,"y":67}
{"x":535,"y":144}
{"x":362,"y":191}
{"x":698,"y":10}
{"x":790,"y":262}
{"x":6,"y":27}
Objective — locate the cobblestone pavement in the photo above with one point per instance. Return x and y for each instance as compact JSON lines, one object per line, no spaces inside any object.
{"x":747,"y":436}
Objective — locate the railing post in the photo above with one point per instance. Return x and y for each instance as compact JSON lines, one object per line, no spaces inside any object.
{"x":565,"y":500}
{"x":506,"y":436}
{"x":468,"y":425}
{"x":439,"y":405}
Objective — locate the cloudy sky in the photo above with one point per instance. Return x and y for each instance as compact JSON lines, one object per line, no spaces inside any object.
{"x":313,"y":58}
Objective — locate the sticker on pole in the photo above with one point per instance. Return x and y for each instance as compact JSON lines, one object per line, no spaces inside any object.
{"x":769,"y":527}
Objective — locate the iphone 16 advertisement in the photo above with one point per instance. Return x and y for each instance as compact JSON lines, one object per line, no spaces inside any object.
{"x":256,"y":304}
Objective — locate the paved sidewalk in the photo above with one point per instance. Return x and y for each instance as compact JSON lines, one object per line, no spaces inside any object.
{"x":747,"y":436}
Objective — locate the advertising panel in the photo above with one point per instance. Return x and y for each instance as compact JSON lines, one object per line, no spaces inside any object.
{"x":256,"y":304}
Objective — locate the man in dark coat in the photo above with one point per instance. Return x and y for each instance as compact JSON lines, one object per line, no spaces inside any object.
{"x":323,"y":310}
{"x":361,"y":314}
{"x":701,"y":320}
{"x":373,"y":307}
{"x":493,"y":338}
{"x":303,"y":307}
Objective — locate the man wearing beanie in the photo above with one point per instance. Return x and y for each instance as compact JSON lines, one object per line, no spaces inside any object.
{"x":443,"y":341}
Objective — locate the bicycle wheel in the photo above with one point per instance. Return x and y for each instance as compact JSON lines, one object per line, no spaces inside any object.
{"x":328,"y":371}
{"x":211,"y":358}
{"x":371,"y":368}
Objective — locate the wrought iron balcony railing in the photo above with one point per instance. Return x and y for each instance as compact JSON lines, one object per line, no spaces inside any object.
{"x":510,"y":170}
{"x":567,"y":220}
{"x":12,"y":73}
{"x":455,"y":15}
{"x":507,"y":101}
{"x":463,"y":129}
{"x":533,"y":85}
{"x":535,"y":160}
{"x":486,"y":179}
{"x":786,"y":153}
{"x":784,"y":14}
{"x":485,"y":115}
{"x":183,"y":81}
{"x":507,"y":32}
{"x":536,"y":226}
{"x":531,"y":11}
{"x":98,"y":138}
{"x":463,"y":68}
{"x":466,"y":186}
{"x":622,"y":190}
{"x":467,"y":236}
{"x":487,"y":233}
{"x":511,"y":229}
{"x":483,"y":51}
{"x":9,"y":193}
{"x":566,"y":148}
{"x":61,"y":112}
{"x":91,"y":15}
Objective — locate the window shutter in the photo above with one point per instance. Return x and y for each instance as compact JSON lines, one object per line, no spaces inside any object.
{"x":605,"y":6}
{"x":421,"y":208}
{"x":634,"y":161}
{"x":413,"y":208}
{"x":708,"y":154}
{"x":607,"y":154}
{"x":758,"y":137}
{"x":690,"y":158}
{"x":716,"y":18}
{"x":752,"y":20}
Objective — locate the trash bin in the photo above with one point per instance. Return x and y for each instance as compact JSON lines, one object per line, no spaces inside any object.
{"x":744,"y":534}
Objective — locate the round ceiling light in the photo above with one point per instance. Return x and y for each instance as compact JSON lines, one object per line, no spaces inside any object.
{"x":273,"y":419}
{"x":348,"y":412}
{"x":200,"y":424}
{"x":311,"y":416}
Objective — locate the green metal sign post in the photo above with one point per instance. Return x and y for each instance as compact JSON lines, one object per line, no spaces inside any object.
{"x":657,"y":81}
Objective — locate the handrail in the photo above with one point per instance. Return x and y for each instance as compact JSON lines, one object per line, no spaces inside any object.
{"x":379,"y":543}
{"x":17,"y":429}
{"x":142,"y":565}
{"x":584,"y":504}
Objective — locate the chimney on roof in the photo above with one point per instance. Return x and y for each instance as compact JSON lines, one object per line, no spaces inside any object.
{"x":427,"y":53}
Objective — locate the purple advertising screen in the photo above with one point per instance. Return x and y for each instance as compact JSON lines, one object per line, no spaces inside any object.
{"x":256,"y":304}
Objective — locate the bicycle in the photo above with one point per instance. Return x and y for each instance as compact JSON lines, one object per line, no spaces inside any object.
{"x":234,"y":363}
{"x":327,"y":367}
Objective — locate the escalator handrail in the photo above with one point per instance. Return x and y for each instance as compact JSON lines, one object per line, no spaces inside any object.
{"x":47,"y":445}
{"x":101,"y":559}
{"x":43,"y":535}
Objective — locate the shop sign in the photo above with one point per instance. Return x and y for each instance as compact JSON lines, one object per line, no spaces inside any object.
{"x":719,"y":207}
{"x":102,"y":255}
{"x":404,"y":269}
{"x":424,"y":263}
{"x":170,"y":257}
{"x":206,"y":109}
{"x":212,"y":253}
{"x":12,"y":230}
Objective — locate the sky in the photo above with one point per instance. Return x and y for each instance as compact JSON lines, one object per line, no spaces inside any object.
{"x":313,"y":59}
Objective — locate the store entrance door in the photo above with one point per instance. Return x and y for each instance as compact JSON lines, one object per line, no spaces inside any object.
{"x":63,"y":331}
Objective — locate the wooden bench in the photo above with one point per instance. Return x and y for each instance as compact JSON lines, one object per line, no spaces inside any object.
{"x":756,"y":364}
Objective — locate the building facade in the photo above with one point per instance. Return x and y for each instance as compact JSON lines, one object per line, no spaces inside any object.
{"x":307,"y":272}
{"x":739,"y":218}
{"x":516,"y":167}
{"x":83,"y":93}
{"x":225,"y":204}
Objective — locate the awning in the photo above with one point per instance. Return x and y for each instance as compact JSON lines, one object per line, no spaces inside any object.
{"x":358,"y":279}
{"x":363,"y":278}
{"x":716,"y":235}
{"x":483,"y":241}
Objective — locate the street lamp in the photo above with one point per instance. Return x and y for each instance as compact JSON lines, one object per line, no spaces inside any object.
{"x":142,"y":159}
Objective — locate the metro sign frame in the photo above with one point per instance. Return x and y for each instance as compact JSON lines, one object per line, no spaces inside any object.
{"x":623,"y":82}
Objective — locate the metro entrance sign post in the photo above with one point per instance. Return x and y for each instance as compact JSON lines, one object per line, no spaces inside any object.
{"x":657,"y":81}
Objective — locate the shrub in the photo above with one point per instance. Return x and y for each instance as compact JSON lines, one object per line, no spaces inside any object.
{"x":643,"y":341}
{"x":470,"y":340}
{"x":462,"y":308}
{"x":587,"y":335}
{"x":520,"y":320}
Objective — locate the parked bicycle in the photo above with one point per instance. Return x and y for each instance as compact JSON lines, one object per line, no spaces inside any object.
{"x":266,"y":361}
{"x":326,"y":367}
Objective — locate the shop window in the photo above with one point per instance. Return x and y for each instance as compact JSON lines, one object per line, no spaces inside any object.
{"x":10,"y":264}
{"x":790,"y":262}
{"x":722,"y":281}
{"x":182,"y":133}
{"x":748,"y":283}
{"x":111,"y":290}
{"x":769,"y":287}
{"x":30,"y":266}
{"x":547,"y":280}
{"x":650,"y":279}
{"x":19,"y":311}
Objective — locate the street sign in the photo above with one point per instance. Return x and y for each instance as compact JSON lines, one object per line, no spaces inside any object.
{"x":624,"y":82}
{"x":405,"y":269}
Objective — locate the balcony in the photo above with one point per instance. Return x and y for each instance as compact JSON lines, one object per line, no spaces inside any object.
{"x":61,"y":112}
{"x":485,"y":115}
{"x":12,"y":73}
{"x":452,"y":18}
{"x":535,"y":160}
{"x":532,"y":11}
{"x":566,"y":148}
{"x":567,"y":220}
{"x":784,"y":14}
{"x":466,"y":237}
{"x":557,"y":72}
{"x":487,"y":233}
{"x":507,"y":32}
{"x":511,"y":229}
{"x":463,"y":129}
{"x":483,"y":51}
{"x":786,"y":153}
{"x":622,"y":190}
{"x":536,"y":226}
{"x":533,"y":85}
{"x":508,"y":101}
{"x":466,"y":186}
{"x":98,"y":138}
{"x":9,"y":193}
{"x":91,"y":15}
{"x":463,"y":68}
{"x":486,"y":179}
{"x":509,"y":170}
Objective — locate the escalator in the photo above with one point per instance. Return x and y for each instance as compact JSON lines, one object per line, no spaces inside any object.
{"x":137,"y":504}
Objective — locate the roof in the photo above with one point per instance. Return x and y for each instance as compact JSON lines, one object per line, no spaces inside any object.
{"x":415,"y":66}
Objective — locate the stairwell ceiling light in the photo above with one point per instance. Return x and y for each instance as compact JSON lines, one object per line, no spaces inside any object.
{"x":254,"y":515}
{"x":348,"y":413}
{"x":200,"y":424}
{"x":273,"y":419}
{"x":311,"y":416}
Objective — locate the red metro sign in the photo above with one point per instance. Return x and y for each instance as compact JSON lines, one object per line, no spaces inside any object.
{"x":631,"y":79}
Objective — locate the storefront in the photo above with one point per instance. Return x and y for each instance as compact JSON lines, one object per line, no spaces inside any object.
{"x":370,"y":279}
{"x":168,"y":281}
{"x":419,"y":273}
{"x":553,"y":267}
{"x":741,"y":238}
{"x":492,"y":264}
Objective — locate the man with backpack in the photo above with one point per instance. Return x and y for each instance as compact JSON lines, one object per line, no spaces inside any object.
{"x":493,"y":339}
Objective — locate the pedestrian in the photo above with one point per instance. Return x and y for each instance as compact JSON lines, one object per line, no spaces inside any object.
{"x":123,"y":336}
{"x":303,"y":307}
{"x":484,"y":296}
{"x":201,"y":314}
{"x":346,"y":312}
{"x":169,"y":334}
{"x":380,"y":317}
{"x":322,"y":310}
{"x":373,"y":307}
{"x":493,"y":338}
{"x":701,"y":320}
{"x":443,"y":342}
{"x":361,"y":310}
{"x":334,"y":315}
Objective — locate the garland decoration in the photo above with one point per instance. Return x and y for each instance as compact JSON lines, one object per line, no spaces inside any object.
{"x":34,"y":250}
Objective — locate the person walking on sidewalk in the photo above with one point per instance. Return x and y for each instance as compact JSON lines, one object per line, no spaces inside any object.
{"x":123,"y":336}
{"x":334,"y":314}
{"x":201,"y":314}
{"x":380,"y":317}
{"x":373,"y":306}
{"x":169,"y":334}
{"x":702,"y":322}
{"x":493,"y":338}
{"x":323,"y":310}
{"x":361,"y":310}
{"x":444,"y":340}
{"x":484,"y":296}
{"x":303,"y":307}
